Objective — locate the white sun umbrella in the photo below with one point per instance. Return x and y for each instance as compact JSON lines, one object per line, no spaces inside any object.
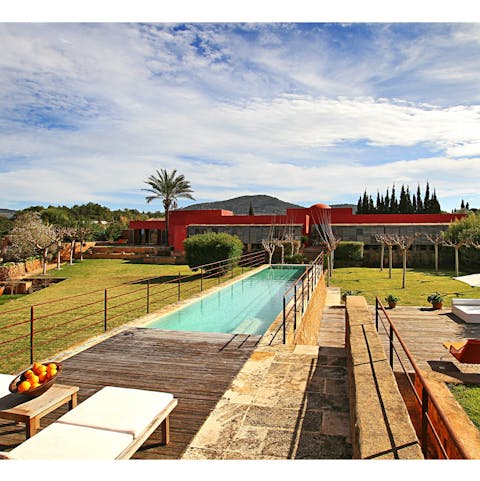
{"x":472,"y":280}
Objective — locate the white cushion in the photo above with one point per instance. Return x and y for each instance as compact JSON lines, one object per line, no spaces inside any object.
{"x":465,"y":302}
{"x":5,"y":380}
{"x":64,"y":441}
{"x":124,"y":410}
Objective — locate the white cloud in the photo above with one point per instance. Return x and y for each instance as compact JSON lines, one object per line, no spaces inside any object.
{"x":235,"y":115}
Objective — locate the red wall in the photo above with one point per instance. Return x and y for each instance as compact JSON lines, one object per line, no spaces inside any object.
{"x":181,"y":219}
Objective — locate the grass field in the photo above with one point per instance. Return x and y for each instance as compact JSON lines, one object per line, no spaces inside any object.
{"x":469,"y":398}
{"x":71,"y":311}
{"x":371,"y":282}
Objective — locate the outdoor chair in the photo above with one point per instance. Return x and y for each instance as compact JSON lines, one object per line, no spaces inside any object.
{"x":111,"y":424}
{"x":465,"y":352}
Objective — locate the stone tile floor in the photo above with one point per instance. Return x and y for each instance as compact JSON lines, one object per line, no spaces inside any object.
{"x":286,"y":403}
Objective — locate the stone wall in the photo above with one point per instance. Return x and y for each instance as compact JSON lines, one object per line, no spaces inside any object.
{"x":381,"y":426}
{"x":307,"y":332}
{"x":20,"y":269}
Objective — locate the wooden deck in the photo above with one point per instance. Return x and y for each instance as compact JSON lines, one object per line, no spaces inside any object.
{"x":424,"y":331}
{"x":196,"y":368}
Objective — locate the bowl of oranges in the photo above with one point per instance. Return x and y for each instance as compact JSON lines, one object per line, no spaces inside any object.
{"x":37,"y":379}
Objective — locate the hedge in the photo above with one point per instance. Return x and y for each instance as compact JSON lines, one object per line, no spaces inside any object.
{"x":349,"y":253}
{"x":211,"y":247}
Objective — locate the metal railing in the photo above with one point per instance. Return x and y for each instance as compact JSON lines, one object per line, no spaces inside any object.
{"x":297,"y":296}
{"x":43,"y":329}
{"x":426,"y":399}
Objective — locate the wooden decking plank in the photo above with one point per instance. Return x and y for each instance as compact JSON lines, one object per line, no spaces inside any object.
{"x":196,"y":367}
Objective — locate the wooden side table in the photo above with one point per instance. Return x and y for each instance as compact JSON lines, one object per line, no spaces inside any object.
{"x":20,"y":408}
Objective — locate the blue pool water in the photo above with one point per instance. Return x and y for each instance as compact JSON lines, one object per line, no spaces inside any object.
{"x":248,"y":306}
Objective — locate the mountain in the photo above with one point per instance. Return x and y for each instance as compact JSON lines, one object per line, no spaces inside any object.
{"x":8,"y":213}
{"x":262,"y":204}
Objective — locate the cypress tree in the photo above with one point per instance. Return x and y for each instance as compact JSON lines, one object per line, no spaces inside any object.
{"x":371,"y":206}
{"x":365,"y":203}
{"x":419,"y":201}
{"x":386,"y":203}
{"x":359,"y":205}
{"x":426,"y":202}
{"x":378,"y":205}
{"x":393,"y":202}
{"x":414,"y":204}
{"x":434,"y":204}
{"x":250,"y":210}
{"x":462,"y":205}
{"x":402,"y":206}
{"x":409,"y":201}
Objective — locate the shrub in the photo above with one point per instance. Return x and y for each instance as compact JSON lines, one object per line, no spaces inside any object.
{"x":349,"y":254}
{"x":295,"y":259}
{"x":211,"y":247}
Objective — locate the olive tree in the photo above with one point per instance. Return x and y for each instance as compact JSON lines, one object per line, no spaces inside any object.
{"x":30,"y":237}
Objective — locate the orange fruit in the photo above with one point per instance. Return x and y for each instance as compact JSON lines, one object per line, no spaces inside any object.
{"x":52,"y":365}
{"x":37,"y":384}
{"x":42,"y":376}
{"x":33,"y":379}
{"x":24,"y":386}
{"x":38,"y":368}
{"x":52,"y":371}
{"x":28,"y":374}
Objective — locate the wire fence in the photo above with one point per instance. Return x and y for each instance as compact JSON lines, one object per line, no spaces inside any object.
{"x":39,"y":331}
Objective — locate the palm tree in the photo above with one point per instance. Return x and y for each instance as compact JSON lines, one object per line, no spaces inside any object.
{"x":169,"y":187}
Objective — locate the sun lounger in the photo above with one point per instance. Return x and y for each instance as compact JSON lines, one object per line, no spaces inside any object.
{"x":5,"y":380}
{"x":468,"y":310}
{"x":111,"y":424}
{"x":467,"y":352}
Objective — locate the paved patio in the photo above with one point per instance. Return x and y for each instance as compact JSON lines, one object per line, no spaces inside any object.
{"x":286,"y":402}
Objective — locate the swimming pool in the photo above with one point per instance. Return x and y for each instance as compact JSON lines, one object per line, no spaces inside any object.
{"x":247,"y":306}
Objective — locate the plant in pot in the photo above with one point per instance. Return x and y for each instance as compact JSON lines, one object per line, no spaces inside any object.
{"x":348,"y":293}
{"x":392,"y":300}
{"x":436,"y":300}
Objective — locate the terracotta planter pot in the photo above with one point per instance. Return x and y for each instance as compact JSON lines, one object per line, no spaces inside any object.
{"x":437,"y":305}
{"x":392,"y":305}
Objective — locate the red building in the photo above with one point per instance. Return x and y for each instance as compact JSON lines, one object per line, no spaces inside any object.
{"x":253,"y":228}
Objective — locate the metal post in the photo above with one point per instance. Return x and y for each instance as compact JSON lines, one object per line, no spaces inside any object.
{"x":179,"y":285}
{"x":284,"y":322}
{"x":295,"y":307}
{"x":303,"y":295}
{"x":391,"y":346}
{"x":105,"y":311}
{"x":424,"y":422}
{"x":308,"y":286}
{"x":148,"y":296}
{"x":32,"y":318}
{"x":376,"y":313}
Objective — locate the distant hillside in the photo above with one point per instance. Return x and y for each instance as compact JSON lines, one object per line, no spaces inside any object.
{"x":8,"y":213}
{"x":262,"y":204}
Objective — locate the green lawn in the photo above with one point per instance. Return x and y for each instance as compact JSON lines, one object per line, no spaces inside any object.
{"x":73,"y":310}
{"x":371,"y":282}
{"x":469,"y":398}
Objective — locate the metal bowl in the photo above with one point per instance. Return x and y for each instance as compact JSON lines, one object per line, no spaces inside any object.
{"x":38,"y":390}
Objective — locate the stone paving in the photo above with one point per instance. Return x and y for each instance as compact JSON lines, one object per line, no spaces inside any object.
{"x":286,"y":402}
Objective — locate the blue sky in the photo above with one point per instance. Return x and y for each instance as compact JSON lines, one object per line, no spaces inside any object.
{"x":301,"y":111}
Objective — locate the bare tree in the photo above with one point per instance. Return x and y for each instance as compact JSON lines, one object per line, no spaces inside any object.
{"x":61,"y":232}
{"x":269,"y":244}
{"x":437,"y":240}
{"x":404,"y":242}
{"x":327,"y":239}
{"x":387,"y":240}
{"x":457,"y":244}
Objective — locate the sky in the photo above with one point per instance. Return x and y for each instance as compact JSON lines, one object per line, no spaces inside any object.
{"x":306,"y":112}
